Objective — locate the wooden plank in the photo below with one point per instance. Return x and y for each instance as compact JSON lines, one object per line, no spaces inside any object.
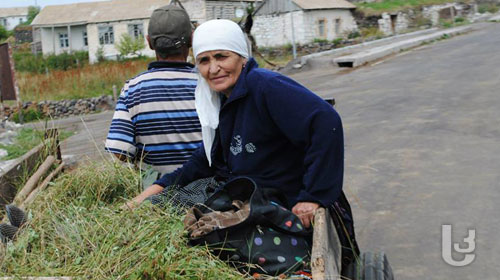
{"x":42,"y":186}
{"x":14,"y":172}
{"x":326,"y":250}
{"x":33,"y":180}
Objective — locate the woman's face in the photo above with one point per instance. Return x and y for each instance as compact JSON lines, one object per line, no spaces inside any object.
{"x":221,"y":69}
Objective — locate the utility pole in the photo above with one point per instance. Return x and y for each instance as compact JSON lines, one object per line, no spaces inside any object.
{"x":294,"y":48}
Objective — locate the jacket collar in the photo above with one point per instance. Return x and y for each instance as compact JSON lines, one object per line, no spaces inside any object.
{"x":169,"y":64}
{"x":240,"y":89}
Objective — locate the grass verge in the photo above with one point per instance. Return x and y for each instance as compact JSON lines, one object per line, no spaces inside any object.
{"x":27,"y":139}
{"x":75,"y":229}
{"x":379,"y":7}
{"x":88,"y":81}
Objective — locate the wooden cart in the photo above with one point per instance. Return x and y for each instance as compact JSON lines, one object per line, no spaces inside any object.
{"x":326,"y":255}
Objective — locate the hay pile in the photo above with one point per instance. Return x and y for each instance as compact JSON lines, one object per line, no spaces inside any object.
{"x":76,"y":229}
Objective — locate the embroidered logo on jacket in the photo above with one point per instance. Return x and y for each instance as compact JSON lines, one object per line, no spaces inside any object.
{"x":236,"y":145}
{"x":250,"y":147}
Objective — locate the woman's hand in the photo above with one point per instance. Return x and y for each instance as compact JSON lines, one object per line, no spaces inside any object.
{"x":133,"y":203}
{"x":305,"y":212}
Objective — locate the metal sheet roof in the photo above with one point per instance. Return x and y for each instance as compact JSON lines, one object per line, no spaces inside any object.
{"x":95,"y":12}
{"x":11,"y":12}
{"x":324,"y":4}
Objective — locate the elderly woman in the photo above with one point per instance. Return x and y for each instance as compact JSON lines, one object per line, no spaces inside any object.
{"x":260,"y":124}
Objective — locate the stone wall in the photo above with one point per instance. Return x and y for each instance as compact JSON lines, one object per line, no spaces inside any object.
{"x":276,"y":30}
{"x":66,"y":108}
{"x":393,"y":24}
{"x":196,"y":10}
{"x":446,"y":11}
{"x":225,"y":9}
{"x":23,"y":34}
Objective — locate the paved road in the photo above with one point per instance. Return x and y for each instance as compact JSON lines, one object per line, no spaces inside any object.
{"x":422,"y":135}
{"x":88,"y":141}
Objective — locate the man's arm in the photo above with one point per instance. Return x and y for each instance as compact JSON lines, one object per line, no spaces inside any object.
{"x":121,"y":136}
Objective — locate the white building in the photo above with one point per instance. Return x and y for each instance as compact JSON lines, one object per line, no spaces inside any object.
{"x":312,"y":19}
{"x":12,"y":17}
{"x":97,"y":26}
{"x":92,"y":27}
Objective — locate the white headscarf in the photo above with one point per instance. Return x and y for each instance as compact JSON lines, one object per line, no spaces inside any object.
{"x":220,"y":34}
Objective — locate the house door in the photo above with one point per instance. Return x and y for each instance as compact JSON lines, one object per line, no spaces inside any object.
{"x":338,"y":28}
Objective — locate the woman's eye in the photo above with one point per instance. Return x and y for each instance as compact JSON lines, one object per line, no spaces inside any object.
{"x":220,"y":56}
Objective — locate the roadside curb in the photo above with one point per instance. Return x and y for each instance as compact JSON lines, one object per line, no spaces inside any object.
{"x":305,"y":58}
{"x":363,"y":57}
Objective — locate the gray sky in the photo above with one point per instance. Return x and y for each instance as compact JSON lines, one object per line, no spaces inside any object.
{"x":24,"y":3}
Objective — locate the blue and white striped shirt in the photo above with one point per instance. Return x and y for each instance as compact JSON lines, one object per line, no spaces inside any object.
{"x":155,"y":117}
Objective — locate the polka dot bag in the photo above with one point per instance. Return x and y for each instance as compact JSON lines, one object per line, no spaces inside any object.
{"x":243,"y":227}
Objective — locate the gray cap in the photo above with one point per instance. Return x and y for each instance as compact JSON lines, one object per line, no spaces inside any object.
{"x":170,"y":22}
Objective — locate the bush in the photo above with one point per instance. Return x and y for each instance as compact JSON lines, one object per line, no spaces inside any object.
{"x":337,"y":41}
{"x":487,"y":7}
{"x":130,"y":46}
{"x":100,"y":54}
{"x":445,"y":23}
{"x":353,"y":34}
{"x":27,"y":62}
{"x":320,"y":40}
{"x":4,"y":34}
{"x":29,"y":115}
{"x":371,"y":32}
{"x":420,"y":20}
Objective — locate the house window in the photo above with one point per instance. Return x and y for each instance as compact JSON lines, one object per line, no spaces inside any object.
{"x":338,"y":24}
{"x":136,"y":30}
{"x":4,"y":22}
{"x":221,"y":12}
{"x":85,"y":39}
{"x":20,"y":20}
{"x":214,"y":16}
{"x":238,"y":12}
{"x":106,"y":35}
{"x":63,"y":40}
{"x":321,"y":28}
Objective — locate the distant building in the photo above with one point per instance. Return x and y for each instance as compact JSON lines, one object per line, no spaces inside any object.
{"x":97,"y":26}
{"x":312,"y":19}
{"x":12,"y":17}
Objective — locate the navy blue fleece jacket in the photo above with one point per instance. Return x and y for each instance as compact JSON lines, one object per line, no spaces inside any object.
{"x":278,"y":133}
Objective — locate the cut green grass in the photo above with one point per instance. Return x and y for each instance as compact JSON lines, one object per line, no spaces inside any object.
{"x":376,"y":8}
{"x":76,"y":229}
{"x":27,"y":139}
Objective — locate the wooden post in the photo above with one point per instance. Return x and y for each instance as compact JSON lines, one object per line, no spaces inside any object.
{"x":53,"y":40}
{"x":54,"y":133}
{"x":452,"y":14}
{"x":69,"y":38}
{"x":115,"y":93}
{"x":33,"y":180}
{"x":16,"y":87}
{"x":2,"y":110}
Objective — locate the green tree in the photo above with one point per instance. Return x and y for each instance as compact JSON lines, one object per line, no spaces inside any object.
{"x":4,"y":34}
{"x":32,"y":13}
{"x":130,"y":46}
